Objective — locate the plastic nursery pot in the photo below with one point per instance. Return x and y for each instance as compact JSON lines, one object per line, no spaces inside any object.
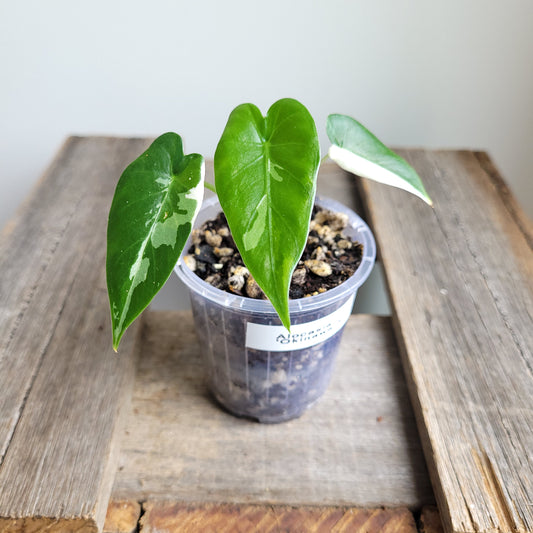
{"x":255,"y":368}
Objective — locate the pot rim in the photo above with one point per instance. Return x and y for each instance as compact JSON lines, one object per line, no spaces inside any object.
{"x":357,"y":229}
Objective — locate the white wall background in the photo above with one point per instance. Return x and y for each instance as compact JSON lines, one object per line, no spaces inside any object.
{"x":447,"y":73}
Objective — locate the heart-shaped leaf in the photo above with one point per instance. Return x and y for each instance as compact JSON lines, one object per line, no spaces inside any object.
{"x":357,"y":150}
{"x":151,"y":216}
{"x":265,"y":176}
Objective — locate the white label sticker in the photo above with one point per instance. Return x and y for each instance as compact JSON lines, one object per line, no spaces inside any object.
{"x":278,"y":339}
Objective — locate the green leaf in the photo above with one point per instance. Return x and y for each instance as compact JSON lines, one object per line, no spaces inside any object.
{"x":151,"y":216}
{"x":357,"y":150}
{"x":265,"y":177}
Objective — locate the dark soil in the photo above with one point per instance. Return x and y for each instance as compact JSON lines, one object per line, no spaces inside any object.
{"x":329,"y":258}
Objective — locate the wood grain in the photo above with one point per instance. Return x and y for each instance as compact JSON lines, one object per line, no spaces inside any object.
{"x":178,"y":517}
{"x":459,"y":278}
{"x":357,"y":446}
{"x":62,"y":387}
{"x":509,"y":201}
{"x":122,"y":516}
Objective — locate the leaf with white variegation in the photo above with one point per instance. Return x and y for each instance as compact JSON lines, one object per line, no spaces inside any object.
{"x":357,"y":150}
{"x":151,"y":217}
{"x":265,"y":176}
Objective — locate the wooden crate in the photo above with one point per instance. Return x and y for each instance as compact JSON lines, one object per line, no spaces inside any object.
{"x":79,"y":426}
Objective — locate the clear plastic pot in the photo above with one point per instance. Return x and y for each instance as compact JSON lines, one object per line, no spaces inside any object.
{"x":255,"y":369}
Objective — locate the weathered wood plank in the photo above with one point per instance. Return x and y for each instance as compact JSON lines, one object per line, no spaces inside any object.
{"x":357,"y":446}
{"x":179,"y":517}
{"x":460,"y":284}
{"x":62,"y":388}
{"x":516,"y":212}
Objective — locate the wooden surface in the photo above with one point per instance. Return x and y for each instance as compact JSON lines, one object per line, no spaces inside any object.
{"x":430,"y":521}
{"x":181,"y":518}
{"x":460,"y":280}
{"x":172,"y":516}
{"x":62,"y":388}
{"x":460,"y":283}
{"x":357,"y":446}
{"x":122,"y":516}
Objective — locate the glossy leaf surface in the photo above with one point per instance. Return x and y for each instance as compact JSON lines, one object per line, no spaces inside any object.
{"x":151,"y":216}
{"x":265,"y":176}
{"x":357,"y":150}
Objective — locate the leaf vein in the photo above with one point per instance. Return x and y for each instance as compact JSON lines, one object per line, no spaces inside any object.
{"x":240,"y":170}
{"x":283,"y":120}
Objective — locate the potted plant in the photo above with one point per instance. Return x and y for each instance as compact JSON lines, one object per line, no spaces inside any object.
{"x":266,"y":359}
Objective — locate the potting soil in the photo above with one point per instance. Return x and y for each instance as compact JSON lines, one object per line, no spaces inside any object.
{"x":329,"y":258}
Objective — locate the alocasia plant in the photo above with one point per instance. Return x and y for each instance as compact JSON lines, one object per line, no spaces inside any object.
{"x":265,"y":179}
